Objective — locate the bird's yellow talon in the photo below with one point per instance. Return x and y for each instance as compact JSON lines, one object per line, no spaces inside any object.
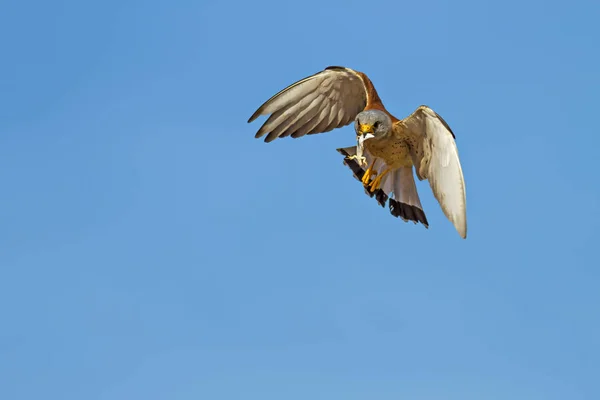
{"x":367,"y":176}
{"x":376,"y":184}
{"x":369,"y":173}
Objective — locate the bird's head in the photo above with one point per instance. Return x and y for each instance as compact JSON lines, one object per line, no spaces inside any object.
{"x":372,"y":124}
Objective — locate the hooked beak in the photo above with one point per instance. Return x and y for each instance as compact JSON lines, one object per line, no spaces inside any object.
{"x":366,"y":131}
{"x":365,"y":128}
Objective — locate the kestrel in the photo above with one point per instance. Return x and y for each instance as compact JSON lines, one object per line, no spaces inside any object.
{"x":387,"y":148}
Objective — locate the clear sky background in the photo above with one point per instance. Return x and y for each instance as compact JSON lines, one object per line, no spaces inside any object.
{"x":151,"y":248}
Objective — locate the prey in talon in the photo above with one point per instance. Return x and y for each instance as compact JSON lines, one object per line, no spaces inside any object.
{"x":360,"y":149}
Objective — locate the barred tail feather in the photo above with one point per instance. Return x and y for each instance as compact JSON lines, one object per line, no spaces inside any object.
{"x":406,"y":203}
{"x":399,"y":184}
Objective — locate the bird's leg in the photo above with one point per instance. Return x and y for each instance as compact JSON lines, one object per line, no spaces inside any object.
{"x":377,"y":182}
{"x":368,"y":174}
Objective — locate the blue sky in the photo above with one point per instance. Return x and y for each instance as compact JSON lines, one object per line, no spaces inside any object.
{"x":151,"y":248}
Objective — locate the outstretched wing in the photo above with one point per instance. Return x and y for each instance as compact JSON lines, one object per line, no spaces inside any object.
{"x":319,"y":103}
{"x":435,"y":157}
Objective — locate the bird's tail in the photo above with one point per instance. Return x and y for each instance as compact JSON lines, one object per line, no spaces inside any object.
{"x":398,"y":186}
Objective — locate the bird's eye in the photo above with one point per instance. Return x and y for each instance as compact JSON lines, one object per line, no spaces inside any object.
{"x":376,"y":125}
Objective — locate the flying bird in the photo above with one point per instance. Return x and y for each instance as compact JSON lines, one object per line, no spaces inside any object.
{"x":387,"y":148}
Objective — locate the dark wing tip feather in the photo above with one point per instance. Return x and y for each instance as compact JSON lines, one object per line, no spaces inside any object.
{"x":255,"y":115}
{"x":270,"y":137}
{"x":445,"y":125}
{"x":335,"y":68}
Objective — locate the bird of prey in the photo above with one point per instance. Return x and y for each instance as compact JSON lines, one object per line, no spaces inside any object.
{"x":387,"y":148}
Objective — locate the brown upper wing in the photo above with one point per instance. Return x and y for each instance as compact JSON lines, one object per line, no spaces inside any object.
{"x":319,"y":103}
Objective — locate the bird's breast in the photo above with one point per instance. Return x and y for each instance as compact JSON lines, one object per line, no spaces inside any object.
{"x":395,"y":152}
